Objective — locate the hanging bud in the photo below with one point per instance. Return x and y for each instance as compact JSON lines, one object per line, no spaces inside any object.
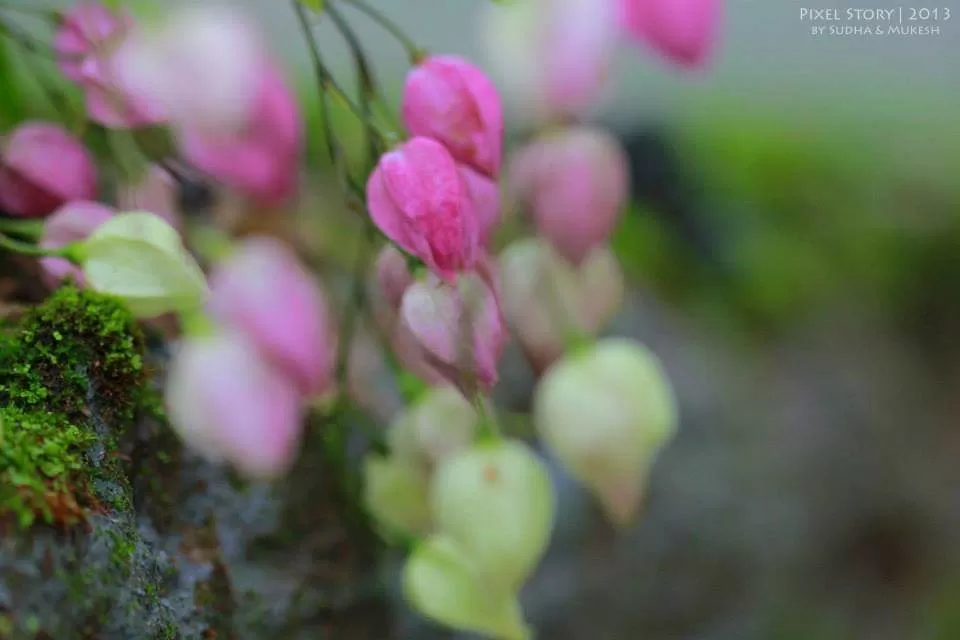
{"x":438,"y":425}
{"x":496,"y":502}
{"x":214,"y":47}
{"x":226,"y":403}
{"x":545,"y":299}
{"x":73,"y":222}
{"x":439,"y":582}
{"x":419,"y":200}
{"x":396,"y":493}
{"x":459,"y":326}
{"x":41,"y":167}
{"x":606,"y":412}
{"x":139,"y":258}
{"x":263,"y":291}
{"x":392,"y":276}
{"x":89,"y":43}
{"x":603,"y":286}
{"x":553,"y":56}
{"x":260,"y":158}
{"x":685,"y":31}
{"x":157,"y":193}
{"x":451,"y":100}
{"x":575,"y":185}
{"x":484,"y":195}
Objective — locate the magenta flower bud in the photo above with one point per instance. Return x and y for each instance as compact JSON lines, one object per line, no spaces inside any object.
{"x":418,"y":198}
{"x":228,"y":404}
{"x":260,"y":158}
{"x":264,"y":292}
{"x":484,"y":195}
{"x":41,"y":167}
{"x":70,"y":223}
{"x":156,"y":193}
{"x":453,"y":101}
{"x":575,"y":184}
{"x":553,"y":55}
{"x":460,"y":327}
{"x":87,"y":43}
{"x":685,"y":31}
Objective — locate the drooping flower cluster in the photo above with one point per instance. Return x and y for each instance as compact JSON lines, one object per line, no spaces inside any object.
{"x":436,"y":198}
{"x":259,"y":345}
{"x":238,"y":389}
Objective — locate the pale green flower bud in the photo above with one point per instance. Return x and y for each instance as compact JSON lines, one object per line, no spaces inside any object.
{"x":606,"y":412}
{"x":440,"y":583}
{"x":439,"y":424}
{"x":396,"y":494}
{"x":496,"y":501}
{"x":140,"y":258}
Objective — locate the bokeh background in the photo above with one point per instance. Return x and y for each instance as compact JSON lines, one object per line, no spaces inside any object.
{"x":793,"y":251}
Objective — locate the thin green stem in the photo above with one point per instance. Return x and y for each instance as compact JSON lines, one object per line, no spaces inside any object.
{"x":377,"y":141}
{"x":27,"y":249}
{"x":414,"y":52}
{"x":327,"y":82}
{"x":31,"y":229}
{"x":489,"y":428}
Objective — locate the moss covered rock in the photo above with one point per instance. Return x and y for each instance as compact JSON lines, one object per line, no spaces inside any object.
{"x":109,"y":529}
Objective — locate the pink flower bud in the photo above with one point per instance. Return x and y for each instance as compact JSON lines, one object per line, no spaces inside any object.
{"x":545,"y":298}
{"x":87,"y":42}
{"x":213,"y":47}
{"x":70,"y":223}
{"x":453,"y":101}
{"x":459,"y":326}
{"x":156,"y":193}
{"x":393,"y":275}
{"x":228,"y":404}
{"x":541,"y":299}
{"x":260,"y":158}
{"x":263,"y":291}
{"x":575,"y":185}
{"x":418,"y":198}
{"x":41,"y":167}
{"x":484,"y":195}
{"x":391,"y":279}
{"x":553,"y":55}
{"x":683,"y":30}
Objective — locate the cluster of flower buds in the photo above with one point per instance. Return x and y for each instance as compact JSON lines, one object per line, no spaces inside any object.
{"x":239,"y":384}
{"x":481,"y":509}
{"x":436,"y":197}
{"x":555,"y":56}
{"x":242,"y":129}
{"x":259,"y":342}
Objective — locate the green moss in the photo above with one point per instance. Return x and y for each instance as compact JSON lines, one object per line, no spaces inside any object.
{"x":71,"y":380}
{"x":75,"y":343}
{"x":42,"y":464}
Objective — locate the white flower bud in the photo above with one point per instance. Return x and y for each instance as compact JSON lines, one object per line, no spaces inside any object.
{"x":437,"y":425}
{"x":396,"y":494}
{"x":606,"y":412}
{"x":140,"y":258}
{"x":440,"y":582}
{"x":496,"y":501}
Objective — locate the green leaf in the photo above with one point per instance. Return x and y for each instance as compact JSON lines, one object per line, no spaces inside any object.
{"x":314,"y":5}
